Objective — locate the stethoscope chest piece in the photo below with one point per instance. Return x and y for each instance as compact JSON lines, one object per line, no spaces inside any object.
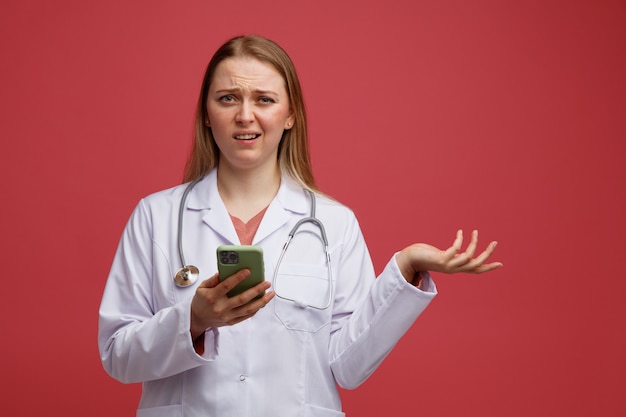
{"x":186,"y":276}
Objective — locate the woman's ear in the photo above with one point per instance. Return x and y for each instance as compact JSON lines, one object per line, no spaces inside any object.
{"x":290,"y":121}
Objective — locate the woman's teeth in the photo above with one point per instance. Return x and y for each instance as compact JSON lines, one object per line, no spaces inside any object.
{"x":246,"y":137}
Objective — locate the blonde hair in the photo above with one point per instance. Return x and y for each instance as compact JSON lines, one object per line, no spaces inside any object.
{"x":293,"y":151}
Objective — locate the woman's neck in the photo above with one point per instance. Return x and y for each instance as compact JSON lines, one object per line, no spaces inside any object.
{"x":246,"y":193}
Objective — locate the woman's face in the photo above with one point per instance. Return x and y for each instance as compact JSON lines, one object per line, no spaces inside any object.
{"x":248,"y":111}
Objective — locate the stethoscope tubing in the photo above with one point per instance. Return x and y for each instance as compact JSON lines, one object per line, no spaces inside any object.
{"x":181,"y":211}
{"x":294,"y":229}
{"x":187,"y":275}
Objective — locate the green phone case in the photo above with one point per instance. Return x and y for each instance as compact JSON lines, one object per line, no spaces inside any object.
{"x":234,"y":258}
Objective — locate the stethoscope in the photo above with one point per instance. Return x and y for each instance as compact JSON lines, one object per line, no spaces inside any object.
{"x":188,"y":274}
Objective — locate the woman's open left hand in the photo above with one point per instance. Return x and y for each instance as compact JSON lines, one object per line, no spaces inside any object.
{"x":423,"y":257}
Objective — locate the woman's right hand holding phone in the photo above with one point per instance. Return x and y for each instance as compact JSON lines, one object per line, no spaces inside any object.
{"x":211,"y":307}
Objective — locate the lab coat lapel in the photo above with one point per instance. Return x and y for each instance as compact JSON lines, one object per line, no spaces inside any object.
{"x":218,"y":219}
{"x":206,"y":197}
{"x":274,"y":218}
{"x":289,"y":199}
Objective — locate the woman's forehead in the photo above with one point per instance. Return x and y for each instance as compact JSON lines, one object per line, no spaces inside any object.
{"x":246,"y":73}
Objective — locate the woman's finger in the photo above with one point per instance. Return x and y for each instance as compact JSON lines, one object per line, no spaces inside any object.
{"x":487,"y":267}
{"x":465,"y":260}
{"x":230,"y":282}
{"x":210,"y":282}
{"x":471,"y":248}
{"x":477,"y":265}
{"x":453,"y":250}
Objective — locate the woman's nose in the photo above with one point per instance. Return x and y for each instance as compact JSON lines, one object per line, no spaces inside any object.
{"x":245,"y":115}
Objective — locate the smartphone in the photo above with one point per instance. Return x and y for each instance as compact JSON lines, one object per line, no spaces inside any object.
{"x":234,"y":258}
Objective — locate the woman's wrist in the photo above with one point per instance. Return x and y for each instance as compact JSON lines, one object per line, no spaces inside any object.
{"x":417,"y":279}
{"x":410,"y":274}
{"x":198,"y":344}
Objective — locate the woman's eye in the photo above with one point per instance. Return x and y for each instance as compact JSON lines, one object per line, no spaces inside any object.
{"x":266,"y":100}
{"x":227,"y":99}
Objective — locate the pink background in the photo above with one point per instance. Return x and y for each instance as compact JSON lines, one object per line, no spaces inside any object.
{"x":426,"y":116}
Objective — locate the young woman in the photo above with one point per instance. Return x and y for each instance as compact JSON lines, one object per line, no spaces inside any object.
{"x":320,"y":319}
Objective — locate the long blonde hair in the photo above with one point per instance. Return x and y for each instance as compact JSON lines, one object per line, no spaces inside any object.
{"x":293,"y":151}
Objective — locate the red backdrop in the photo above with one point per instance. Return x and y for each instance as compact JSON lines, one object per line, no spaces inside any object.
{"x":426,"y":116}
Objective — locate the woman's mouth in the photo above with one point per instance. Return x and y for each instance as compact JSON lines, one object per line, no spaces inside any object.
{"x":248,"y":136}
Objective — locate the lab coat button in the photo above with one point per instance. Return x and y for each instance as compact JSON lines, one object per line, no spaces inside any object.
{"x":242,"y":378}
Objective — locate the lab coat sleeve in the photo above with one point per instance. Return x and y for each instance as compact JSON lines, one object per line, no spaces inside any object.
{"x":136,"y":342}
{"x":381,"y":314}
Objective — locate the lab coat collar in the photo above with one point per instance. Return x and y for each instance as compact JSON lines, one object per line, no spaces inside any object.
{"x":291,"y":196}
{"x":290,"y":199}
{"x":205,"y":195}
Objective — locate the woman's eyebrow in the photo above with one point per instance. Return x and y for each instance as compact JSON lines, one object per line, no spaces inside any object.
{"x":238,"y":89}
